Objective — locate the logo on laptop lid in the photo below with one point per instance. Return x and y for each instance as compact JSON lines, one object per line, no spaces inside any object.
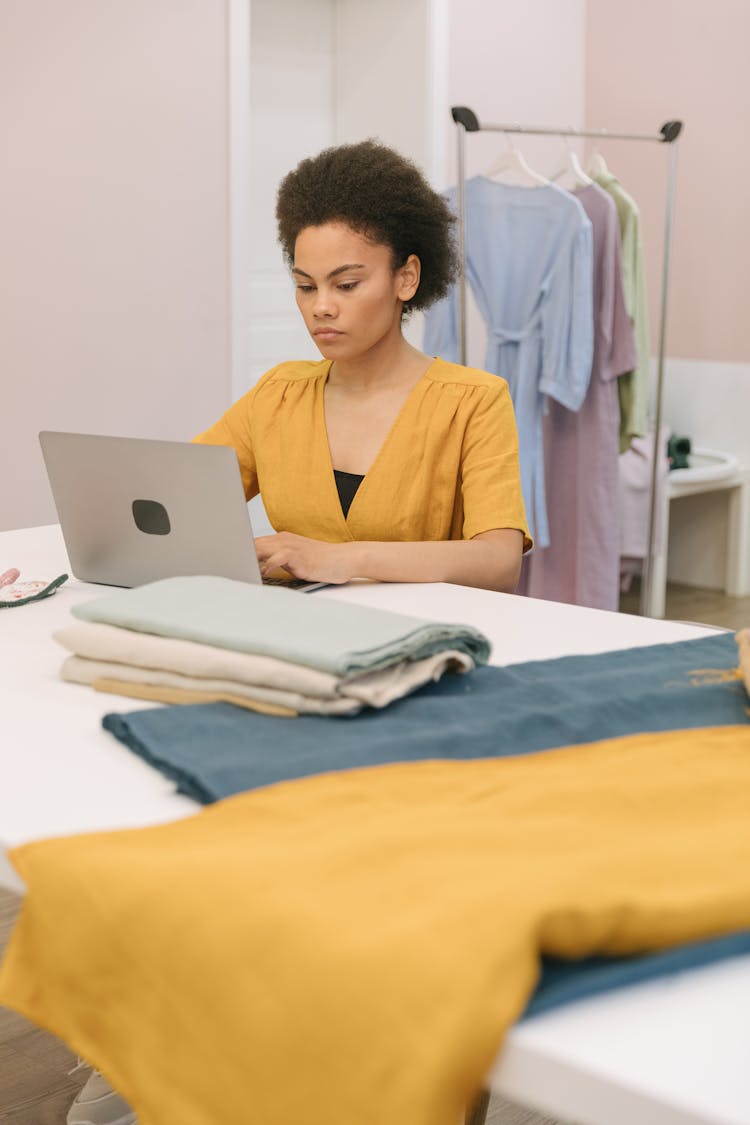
{"x":151,"y":517}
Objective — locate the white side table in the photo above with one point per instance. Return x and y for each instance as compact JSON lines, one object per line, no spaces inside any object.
{"x":709,"y":472}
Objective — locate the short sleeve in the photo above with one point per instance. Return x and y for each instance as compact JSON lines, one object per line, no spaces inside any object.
{"x":234,"y":429}
{"x":490,"y":470}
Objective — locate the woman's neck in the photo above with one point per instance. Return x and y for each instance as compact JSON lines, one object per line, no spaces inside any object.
{"x":392,"y":363}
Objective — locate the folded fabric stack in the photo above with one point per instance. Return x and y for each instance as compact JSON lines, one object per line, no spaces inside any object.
{"x":205,"y":639}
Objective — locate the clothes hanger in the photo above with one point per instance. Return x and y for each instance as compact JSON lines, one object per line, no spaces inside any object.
{"x":572,"y":166}
{"x":576,"y":168}
{"x":512,"y":166}
{"x":597,"y":165}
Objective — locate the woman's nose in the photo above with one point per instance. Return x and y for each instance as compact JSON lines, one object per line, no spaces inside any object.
{"x":324,"y":304}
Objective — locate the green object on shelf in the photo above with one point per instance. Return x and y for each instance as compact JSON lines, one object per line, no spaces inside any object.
{"x":678,"y":452}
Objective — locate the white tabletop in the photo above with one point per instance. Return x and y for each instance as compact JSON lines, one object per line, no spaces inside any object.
{"x":671,"y":1052}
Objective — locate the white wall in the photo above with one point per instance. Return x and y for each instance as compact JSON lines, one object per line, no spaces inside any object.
{"x":385,"y":79}
{"x":291,"y":117}
{"x":326,"y":72}
{"x":113,"y":227}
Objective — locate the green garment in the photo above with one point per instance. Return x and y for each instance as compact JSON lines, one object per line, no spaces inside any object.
{"x":632,"y":387}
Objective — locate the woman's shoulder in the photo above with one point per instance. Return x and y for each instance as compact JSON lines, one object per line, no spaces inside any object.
{"x":457,"y":375}
{"x":295,"y":371}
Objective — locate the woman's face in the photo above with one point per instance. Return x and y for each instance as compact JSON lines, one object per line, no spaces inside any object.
{"x":347,"y":290}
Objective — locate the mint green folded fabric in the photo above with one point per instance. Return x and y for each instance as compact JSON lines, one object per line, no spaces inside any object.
{"x":335,"y":637}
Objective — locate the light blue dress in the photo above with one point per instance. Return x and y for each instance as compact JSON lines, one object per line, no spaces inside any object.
{"x":529,"y":262}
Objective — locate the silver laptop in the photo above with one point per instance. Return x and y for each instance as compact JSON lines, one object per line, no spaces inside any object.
{"x":133,"y":510}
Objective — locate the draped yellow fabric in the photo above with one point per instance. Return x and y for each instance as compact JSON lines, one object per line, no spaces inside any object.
{"x":350,"y":948}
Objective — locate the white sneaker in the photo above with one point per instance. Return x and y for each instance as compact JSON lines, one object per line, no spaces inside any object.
{"x":98,"y":1104}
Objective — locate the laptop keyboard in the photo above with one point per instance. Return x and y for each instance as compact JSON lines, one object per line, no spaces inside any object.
{"x":289,"y":583}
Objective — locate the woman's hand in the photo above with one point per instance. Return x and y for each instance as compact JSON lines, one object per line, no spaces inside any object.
{"x":490,"y":561}
{"x":301,"y":557}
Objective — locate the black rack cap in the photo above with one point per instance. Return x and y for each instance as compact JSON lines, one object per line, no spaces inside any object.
{"x":671,"y":130}
{"x":462,"y":115}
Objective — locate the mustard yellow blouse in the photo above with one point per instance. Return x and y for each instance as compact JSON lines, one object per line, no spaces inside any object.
{"x":448,"y":468}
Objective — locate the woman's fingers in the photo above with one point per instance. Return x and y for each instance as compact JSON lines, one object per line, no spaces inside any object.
{"x":302,"y":557}
{"x":279,"y":561}
{"x":283,"y":552}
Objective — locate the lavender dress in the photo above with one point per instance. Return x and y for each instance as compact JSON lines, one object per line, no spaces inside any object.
{"x":581,"y":564}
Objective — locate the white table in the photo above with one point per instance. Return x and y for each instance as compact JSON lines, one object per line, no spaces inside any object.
{"x":671,"y":1052}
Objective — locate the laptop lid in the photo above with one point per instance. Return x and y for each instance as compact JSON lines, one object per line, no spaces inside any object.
{"x":133,"y":510}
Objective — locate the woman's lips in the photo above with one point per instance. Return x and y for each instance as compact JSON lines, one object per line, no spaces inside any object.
{"x":327,"y":333}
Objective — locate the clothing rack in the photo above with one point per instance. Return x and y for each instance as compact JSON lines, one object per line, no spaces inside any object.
{"x":467,"y":122}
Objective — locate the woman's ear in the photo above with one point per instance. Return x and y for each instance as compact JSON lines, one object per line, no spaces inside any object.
{"x":408,"y":277}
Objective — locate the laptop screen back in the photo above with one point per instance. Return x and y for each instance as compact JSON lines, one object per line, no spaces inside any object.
{"x":133,"y":510}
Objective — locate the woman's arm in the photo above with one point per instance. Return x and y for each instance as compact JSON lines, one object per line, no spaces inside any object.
{"x":490,"y":561}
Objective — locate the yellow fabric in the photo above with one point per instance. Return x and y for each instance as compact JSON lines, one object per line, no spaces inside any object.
{"x":352,"y":947}
{"x":163,"y":693}
{"x":448,"y":469}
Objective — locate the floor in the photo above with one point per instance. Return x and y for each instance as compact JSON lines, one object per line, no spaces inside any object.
{"x":35,"y":1086}
{"x":686,"y":603}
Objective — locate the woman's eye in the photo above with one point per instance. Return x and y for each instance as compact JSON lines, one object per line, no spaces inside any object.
{"x":347,"y":286}
{"x":304,"y":288}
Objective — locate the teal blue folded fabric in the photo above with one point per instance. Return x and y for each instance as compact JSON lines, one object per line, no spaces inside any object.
{"x":562,"y":982}
{"x":332,"y":636}
{"x":214,"y":749}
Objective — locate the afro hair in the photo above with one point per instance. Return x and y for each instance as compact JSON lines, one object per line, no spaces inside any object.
{"x":381,"y":195}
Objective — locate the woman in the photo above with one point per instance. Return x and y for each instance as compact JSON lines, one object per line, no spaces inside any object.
{"x":378,"y":461}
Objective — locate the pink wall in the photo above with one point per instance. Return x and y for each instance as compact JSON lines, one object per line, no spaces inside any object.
{"x":503,"y":67}
{"x":652,"y":60}
{"x":515,"y":61}
{"x":114,"y":300}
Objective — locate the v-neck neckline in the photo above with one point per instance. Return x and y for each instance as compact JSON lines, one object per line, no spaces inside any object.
{"x":323,"y":428}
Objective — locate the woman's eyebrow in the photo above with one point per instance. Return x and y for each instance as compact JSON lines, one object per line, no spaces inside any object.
{"x":333,"y":273}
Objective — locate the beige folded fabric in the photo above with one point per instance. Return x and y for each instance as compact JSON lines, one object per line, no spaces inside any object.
{"x":293,"y":686}
{"x":146,"y":650}
{"x":161,"y":694}
{"x":80,"y":670}
{"x":743,"y":643}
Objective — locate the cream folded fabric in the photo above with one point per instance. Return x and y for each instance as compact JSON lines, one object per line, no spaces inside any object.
{"x":110,"y":652}
{"x":190,"y":658}
{"x":81,"y":670}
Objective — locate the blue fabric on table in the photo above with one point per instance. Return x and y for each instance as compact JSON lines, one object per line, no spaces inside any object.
{"x":562,"y":982}
{"x":213,"y":750}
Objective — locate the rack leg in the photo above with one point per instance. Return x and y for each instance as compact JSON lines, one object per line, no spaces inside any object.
{"x":477,"y":1115}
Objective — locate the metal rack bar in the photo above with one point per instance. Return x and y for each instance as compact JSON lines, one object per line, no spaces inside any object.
{"x":468,"y":122}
